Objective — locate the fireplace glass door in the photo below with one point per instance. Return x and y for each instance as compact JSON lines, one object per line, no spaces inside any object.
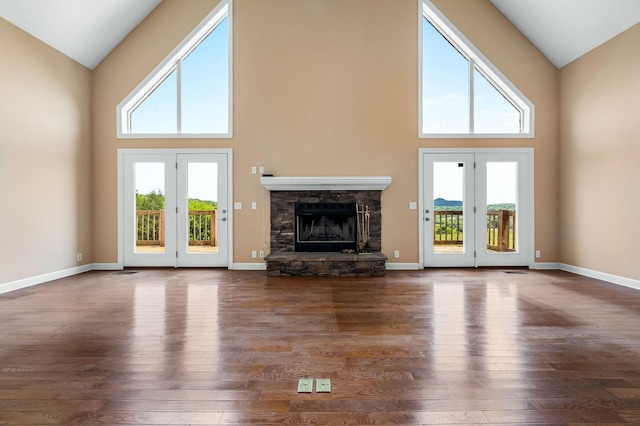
{"x":329,"y":227}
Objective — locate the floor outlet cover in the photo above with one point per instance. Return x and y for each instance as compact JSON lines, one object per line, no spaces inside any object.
{"x":323,"y":385}
{"x":305,"y":385}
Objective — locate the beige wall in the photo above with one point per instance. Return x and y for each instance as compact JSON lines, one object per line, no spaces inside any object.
{"x":599,"y":158}
{"x":324,"y":88}
{"x":44,"y":158}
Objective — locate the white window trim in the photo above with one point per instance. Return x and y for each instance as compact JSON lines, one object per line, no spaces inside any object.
{"x":138,"y":95}
{"x":428,"y":10}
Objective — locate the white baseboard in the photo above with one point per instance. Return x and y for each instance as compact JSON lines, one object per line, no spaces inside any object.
{"x":402,"y":266}
{"x":249,"y":267}
{"x":32,"y":281}
{"x":107,"y":267}
{"x":39,"y":279}
{"x":603,"y":276}
{"x":546,"y":266}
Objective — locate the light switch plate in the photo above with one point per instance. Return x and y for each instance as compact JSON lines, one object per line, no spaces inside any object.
{"x":323,"y":385}
{"x":413,"y":205}
{"x":237,"y":205}
{"x":305,"y":385}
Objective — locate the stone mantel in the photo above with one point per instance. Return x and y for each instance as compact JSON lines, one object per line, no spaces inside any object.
{"x":326,"y":183}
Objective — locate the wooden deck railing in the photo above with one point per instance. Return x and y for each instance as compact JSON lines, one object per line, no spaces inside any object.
{"x":448,"y":228}
{"x":501,"y":230}
{"x":202,"y":227}
{"x":150,"y":226}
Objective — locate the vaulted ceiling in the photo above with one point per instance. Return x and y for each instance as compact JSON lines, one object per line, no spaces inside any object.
{"x":564,"y":30}
{"x":84,"y":30}
{"x":87,"y":30}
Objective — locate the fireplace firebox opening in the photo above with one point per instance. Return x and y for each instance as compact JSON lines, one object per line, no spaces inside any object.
{"x":325,"y":227}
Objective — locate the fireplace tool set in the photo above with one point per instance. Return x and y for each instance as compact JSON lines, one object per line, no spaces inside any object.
{"x":363,"y":217}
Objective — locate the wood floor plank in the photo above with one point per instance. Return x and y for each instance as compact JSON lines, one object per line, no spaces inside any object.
{"x":208,"y":346}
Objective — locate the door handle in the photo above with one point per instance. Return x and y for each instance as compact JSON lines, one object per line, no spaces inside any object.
{"x":224,"y":219}
{"x":427,"y":219}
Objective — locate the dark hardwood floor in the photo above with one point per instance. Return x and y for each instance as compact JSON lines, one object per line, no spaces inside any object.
{"x":228,"y":347}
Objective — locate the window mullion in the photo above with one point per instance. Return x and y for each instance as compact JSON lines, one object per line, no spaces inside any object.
{"x":471,"y":100}
{"x":179,"y":96}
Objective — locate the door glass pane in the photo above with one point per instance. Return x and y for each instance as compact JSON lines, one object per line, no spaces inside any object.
{"x":150,"y":207}
{"x":202,"y":191}
{"x":502,"y":181}
{"x":448,"y":207}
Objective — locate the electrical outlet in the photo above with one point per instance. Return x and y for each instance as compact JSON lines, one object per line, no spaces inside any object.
{"x":537,"y":254}
{"x":261,"y":253}
{"x":396,"y":254}
{"x":254,"y":254}
{"x":79,"y":257}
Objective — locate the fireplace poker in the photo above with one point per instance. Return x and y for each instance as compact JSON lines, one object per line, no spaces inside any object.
{"x":367,"y":216}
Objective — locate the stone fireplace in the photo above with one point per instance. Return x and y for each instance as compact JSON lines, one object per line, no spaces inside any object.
{"x":314,"y":226}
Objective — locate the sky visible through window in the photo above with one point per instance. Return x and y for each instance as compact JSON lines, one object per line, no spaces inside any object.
{"x":204,"y":89}
{"x":445,"y":80}
{"x":445,"y":92}
{"x":149,"y":177}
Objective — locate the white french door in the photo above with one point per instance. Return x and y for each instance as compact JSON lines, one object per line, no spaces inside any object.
{"x":175,"y":208}
{"x":476,"y":208}
{"x":448,"y":210}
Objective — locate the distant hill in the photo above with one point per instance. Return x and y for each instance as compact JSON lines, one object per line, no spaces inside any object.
{"x":441,"y":202}
{"x":457,"y":205}
{"x":503,"y":206}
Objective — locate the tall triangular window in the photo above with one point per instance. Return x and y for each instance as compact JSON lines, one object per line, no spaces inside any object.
{"x":189,"y":93}
{"x":462,"y":93}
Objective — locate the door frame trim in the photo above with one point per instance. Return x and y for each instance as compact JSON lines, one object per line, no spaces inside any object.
{"x":530,"y":223}
{"x":122,"y":152}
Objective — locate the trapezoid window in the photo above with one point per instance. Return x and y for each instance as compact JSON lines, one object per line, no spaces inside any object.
{"x":462,"y":94}
{"x":189,"y":93}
